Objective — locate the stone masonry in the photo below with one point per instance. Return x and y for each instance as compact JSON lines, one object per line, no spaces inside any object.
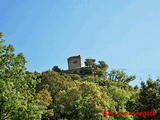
{"x":75,"y":62}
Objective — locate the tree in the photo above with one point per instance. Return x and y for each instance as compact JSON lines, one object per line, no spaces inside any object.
{"x":90,"y":63}
{"x":96,"y":69}
{"x":56,"y":69}
{"x":117,"y":75}
{"x":119,"y":97}
{"x":72,"y":98}
{"x":45,"y":99}
{"x":149,"y":98}
{"x":17,"y":89}
{"x":103,"y":65}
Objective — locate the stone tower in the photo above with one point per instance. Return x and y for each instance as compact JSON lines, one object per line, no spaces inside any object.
{"x":75,"y":62}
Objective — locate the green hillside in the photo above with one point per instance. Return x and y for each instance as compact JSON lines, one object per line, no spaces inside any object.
{"x":56,"y":94}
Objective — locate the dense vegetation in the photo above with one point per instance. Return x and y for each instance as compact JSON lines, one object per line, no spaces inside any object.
{"x":58,"y":95}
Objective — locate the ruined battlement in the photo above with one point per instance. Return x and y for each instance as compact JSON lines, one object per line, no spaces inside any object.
{"x":75,"y":62}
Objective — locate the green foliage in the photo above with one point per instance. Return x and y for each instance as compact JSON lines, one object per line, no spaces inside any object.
{"x":117,"y":75}
{"x":93,"y":101}
{"x":74,"y":99}
{"x":16,"y":88}
{"x":96,"y":69}
{"x":45,"y":99}
{"x":75,"y":77}
{"x":90,"y":63}
{"x":103,"y":65}
{"x":149,"y":98}
{"x":60,"y":95}
{"x":1,"y":35}
{"x":56,"y":69}
{"x":120,"y":93}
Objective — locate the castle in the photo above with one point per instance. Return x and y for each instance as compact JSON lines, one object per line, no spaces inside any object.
{"x":75,"y":62}
{"x":77,"y":66}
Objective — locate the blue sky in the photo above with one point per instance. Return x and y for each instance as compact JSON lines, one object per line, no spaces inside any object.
{"x":124,"y":33}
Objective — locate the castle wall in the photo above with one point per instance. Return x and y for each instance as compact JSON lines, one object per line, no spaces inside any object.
{"x":75,"y":62}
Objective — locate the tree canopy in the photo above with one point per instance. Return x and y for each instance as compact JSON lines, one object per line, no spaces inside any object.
{"x":17,"y":89}
{"x":59,"y":95}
